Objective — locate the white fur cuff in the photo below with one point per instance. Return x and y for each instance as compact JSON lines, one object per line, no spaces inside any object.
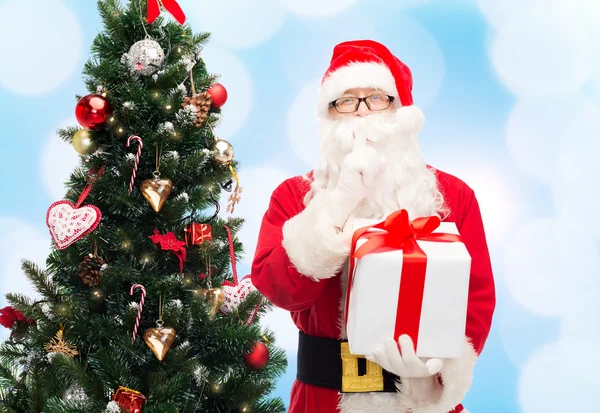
{"x":313,"y":246}
{"x":457,"y":376}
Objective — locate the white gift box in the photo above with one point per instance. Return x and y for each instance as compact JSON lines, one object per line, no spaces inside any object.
{"x":373,"y":300}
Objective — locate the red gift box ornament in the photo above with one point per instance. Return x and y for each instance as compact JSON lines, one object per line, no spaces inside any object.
{"x":401,"y":234}
{"x":196,"y":234}
{"x":130,"y":400}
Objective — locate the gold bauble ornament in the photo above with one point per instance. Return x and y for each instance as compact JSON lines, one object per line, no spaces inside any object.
{"x":215,"y":299}
{"x":156,"y":191}
{"x":160,"y":339}
{"x":223,"y":151}
{"x":83,"y":143}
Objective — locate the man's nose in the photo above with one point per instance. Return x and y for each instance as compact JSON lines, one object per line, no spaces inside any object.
{"x":362,"y":110}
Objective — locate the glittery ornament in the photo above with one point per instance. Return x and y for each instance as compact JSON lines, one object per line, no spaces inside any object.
{"x":75,"y":393}
{"x":146,"y":57}
{"x":223,"y":152}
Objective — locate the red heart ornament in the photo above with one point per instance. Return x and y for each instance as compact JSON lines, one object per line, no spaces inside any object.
{"x":68,"y":224}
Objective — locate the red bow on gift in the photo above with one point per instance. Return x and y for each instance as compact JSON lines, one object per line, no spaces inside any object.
{"x":401,"y":234}
{"x":170,"y":5}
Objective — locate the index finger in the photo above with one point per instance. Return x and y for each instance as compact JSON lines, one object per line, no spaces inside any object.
{"x":360,"y":142}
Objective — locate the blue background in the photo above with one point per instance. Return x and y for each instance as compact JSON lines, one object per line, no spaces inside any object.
{"x":510,"y":91}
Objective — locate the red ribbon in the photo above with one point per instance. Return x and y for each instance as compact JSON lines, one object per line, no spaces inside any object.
{"x":401,"y":234}
{"x":170,"y":5}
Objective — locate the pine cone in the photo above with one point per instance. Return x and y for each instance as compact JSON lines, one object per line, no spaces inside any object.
{"x":202,"y":102}
{"x":89,"y":270}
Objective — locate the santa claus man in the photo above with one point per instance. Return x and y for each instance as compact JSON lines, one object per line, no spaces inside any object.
{"x":370,"y":166}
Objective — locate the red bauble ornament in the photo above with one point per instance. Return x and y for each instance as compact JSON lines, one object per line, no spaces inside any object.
{"x":130,"y":400}
{"x":218,"y":94}
{"x":258,"y":357}
{"x":92,"y":111}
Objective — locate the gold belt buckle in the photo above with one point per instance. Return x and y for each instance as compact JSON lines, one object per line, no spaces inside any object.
{"x":353,"y":383}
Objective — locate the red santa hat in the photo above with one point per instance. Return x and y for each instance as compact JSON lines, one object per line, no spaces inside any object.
{"x":364,"y":64}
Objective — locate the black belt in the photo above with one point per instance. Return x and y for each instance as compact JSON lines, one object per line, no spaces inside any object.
{"x":326,"y":362}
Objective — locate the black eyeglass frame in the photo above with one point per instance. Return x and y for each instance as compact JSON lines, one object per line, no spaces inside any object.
{"x":360,"y":100}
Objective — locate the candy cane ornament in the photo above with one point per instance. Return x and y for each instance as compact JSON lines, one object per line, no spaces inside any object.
{"x":140,"y":307}
{"x":137,"y":158}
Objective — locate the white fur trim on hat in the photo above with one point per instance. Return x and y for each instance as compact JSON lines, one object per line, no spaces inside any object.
{"x":354,"y":75}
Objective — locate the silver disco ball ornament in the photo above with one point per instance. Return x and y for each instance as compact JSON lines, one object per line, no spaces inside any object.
{"x":146,"y":57}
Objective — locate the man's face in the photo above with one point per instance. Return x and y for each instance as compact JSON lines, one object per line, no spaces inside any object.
{"x":361,"y":102}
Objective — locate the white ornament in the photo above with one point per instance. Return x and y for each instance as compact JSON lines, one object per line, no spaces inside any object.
{"x":68,"y":224}
{"x":235,"y":294}
{"x":145,"y":57}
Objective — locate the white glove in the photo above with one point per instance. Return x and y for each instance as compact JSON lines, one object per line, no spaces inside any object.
{"x":404,"y":362}
{"x":359,"y":169}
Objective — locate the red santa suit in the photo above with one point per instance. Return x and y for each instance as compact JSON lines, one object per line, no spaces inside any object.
{"x":283,"y":275}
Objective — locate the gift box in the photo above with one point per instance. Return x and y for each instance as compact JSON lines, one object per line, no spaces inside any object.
{"x":196,"y":234}
{"x":131,"y":401}
{"x":408,"y":277}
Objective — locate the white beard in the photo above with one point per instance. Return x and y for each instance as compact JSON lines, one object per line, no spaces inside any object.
{"x":406,"y":183}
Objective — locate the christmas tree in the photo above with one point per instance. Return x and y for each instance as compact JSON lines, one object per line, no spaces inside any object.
{"x":141,"y":306}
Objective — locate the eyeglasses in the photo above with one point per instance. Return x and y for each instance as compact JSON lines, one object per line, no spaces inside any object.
{"x":374,"y":102}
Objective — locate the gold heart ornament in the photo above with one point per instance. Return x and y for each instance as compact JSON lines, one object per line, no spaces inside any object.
{"x":156,"y":191}
{"x":215,"y":299}
{"x":160,"y":340}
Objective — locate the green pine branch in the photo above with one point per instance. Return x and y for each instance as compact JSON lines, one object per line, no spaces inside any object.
{"x":41,"y":280}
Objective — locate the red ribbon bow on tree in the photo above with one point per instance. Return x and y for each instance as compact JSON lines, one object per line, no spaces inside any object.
{"x":401,"y":234}
{"x":170,"y":5}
